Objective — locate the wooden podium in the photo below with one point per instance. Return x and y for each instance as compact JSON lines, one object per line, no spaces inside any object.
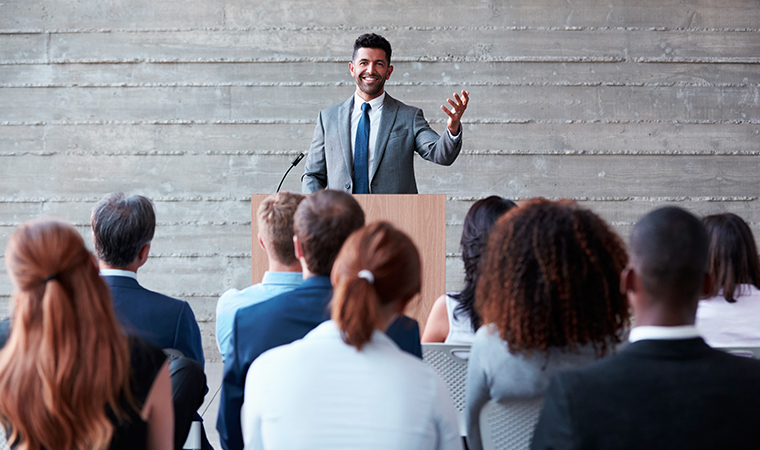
{"x":422,"y":217}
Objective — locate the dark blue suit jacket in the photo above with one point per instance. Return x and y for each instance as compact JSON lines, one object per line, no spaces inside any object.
{"x":279,"y":321}
{"x":160,"y":320}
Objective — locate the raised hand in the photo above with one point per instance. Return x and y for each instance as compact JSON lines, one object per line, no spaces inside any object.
{"x":459,"y":105}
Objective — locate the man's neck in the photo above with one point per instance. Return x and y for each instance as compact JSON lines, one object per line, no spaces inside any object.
{"x":366,"y":97}
{"x":277,"y":266}
{"x":130,"y":268}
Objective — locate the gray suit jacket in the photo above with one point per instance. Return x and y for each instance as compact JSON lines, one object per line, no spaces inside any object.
{"x":403,"y":131}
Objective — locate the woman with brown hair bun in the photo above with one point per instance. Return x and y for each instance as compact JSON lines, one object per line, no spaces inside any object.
{"x":549,"y":295}
{"x":728,"y":318}
{"x":69,"y":378}
{"x":346,"y":384}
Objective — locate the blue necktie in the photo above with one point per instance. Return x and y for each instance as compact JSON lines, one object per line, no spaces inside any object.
{"x":361,"y":153}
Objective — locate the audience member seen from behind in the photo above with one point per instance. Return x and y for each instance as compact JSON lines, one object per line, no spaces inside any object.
{"x":274,"y":219}
{"x":729,"y":317}
{"x":69,"y":378}
{"x":122,"y":232}
{"x":549,"y":298}
{"x":667,"y":389}
{"x":453,"y":318}
{"x":346,"y":384}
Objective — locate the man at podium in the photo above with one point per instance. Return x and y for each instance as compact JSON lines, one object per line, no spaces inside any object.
{"x":366,"y":144}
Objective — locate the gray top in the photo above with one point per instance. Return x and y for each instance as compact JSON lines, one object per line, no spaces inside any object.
{"x":495,"y":374}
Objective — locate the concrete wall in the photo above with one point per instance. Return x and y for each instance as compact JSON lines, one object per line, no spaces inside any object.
{"x":624,"y":105}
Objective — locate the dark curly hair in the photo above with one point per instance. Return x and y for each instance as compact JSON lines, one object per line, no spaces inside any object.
{"x":551,"y":278}
{"x":477,"y":225}
{"x":733,"y":256}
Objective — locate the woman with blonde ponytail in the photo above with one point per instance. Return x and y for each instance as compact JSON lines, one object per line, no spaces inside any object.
{"x":347,"y":385}
{"x":69,"y":378}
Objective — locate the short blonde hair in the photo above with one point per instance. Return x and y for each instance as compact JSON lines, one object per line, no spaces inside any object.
{"x":275,"y":220}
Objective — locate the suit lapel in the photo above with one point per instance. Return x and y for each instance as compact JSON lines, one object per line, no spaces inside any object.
{"x":344,"y":118}
{"x":388,"y":118}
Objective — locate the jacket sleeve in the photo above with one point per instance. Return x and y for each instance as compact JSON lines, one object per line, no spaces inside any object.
{"x":405,"y":332}
{"x":432,"y":147}
{"x":231,"y":398}
{"x":555,"y":428}
{"x":188,"y":335}
{"x":315,"y":172}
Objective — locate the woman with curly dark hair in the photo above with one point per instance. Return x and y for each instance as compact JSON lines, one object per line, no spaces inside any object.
{"x":550,"y":300}
{"x":728,"y":318}
{"x":453,"y":318}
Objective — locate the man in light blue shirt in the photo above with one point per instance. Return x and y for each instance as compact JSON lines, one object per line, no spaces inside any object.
{"x":275,"y":224}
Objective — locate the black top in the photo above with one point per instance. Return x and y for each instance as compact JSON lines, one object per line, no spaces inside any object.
{"x":145,"y":361}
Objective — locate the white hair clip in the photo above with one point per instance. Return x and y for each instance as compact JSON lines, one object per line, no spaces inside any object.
{"x":367,"y":275}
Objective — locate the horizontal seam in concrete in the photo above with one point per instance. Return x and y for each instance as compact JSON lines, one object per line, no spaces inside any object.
{"x":351,"y":83}
{"x":490,"y":152}
{"x":341,"y":28}
{"x":156,"y":199}
{"x":624,"y":199}
{"x":194,"y":199}
{"x":486,"y":121}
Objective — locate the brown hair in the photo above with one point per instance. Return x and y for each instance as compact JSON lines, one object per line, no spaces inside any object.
{"x":551,"y":279}
{"x":322,"y":223}
{"x":733,"y":255}
{"x":394,"y":262}
{"x":275,"y":221}
{"x":66,"y":360}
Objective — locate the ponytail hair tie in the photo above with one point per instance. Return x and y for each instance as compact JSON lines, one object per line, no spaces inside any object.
{"x":367,"y":275}
{"x":51,"y":277}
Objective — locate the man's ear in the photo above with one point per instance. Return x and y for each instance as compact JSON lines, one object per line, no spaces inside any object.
{"x":297,"y":247}
{"x":142,"y":257}
{"x":351,"y":68}
{"x":389,"y":72}
{"x":627,"y":280}
{"x":261,"y":243}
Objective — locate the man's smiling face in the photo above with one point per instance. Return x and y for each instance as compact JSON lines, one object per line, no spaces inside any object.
{"x":370,"y":69}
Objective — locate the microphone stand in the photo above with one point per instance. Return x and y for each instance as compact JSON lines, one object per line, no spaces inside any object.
{"x":294,"y":163}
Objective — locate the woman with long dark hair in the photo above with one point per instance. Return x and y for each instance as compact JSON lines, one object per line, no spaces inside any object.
{"x":729,"y":316}
{"x":454,"y":318}
{"x":549,"y":294}
{"x":69,"y":378}
{"x":346,"y":384}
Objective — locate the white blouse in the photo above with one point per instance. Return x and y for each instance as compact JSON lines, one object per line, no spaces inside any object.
{"x":320,"y":393}
{"x":724,"y":324}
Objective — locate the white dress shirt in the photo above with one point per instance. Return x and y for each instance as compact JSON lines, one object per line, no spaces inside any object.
{"x":320,"y":393}
{"x":375,"y":114}
{"x":118,"y":273}
{"x":663,"y":333}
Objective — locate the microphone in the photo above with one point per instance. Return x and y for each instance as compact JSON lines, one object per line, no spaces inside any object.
{"x":293,"y":163}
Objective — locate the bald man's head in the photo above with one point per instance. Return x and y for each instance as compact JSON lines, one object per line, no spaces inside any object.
{"x":669,"y":252}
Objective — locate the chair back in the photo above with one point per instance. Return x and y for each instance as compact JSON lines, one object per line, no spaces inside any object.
{"x":509,"y":425}
{"x":450,"y":362}
{"x":747,"y":352}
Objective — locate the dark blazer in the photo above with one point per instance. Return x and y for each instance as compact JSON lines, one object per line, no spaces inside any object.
{"x":279,"y":321}
{"x":403,"y":131}
{"x":160,"y":320}
{"x":655,"y":394}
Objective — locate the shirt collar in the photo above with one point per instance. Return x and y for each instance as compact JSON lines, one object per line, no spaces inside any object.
{"x":663,"y":333}
{"x":118,"y":273}
{"x":281,"y":277}
{"x":374,"y":104}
